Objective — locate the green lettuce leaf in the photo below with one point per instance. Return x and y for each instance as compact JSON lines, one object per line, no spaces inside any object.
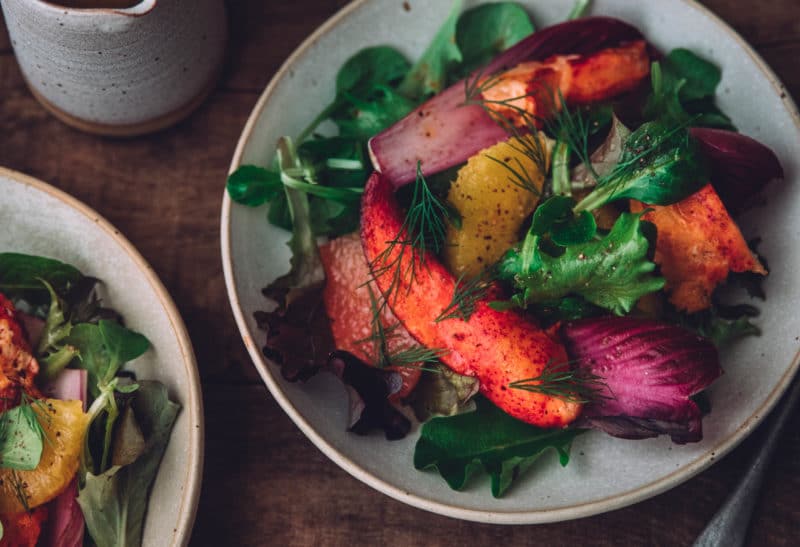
{"x":612,"y":273}
{"x":488,"y":439}
{"x":114,"y":504}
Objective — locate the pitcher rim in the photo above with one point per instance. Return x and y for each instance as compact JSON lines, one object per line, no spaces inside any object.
{"x":136,"y":10}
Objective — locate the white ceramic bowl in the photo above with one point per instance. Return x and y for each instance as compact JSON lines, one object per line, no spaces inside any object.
{"x":39,"y":219}
{"x":605,"y":473}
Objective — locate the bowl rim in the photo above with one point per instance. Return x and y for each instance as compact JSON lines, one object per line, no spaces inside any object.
{"x":557,"y":514}
{"x":194,"y":406}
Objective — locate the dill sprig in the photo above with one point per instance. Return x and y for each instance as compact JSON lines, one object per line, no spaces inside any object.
{"x":425,"y":220}
{"x":608,"y":185}
{"x":527,"y":141}
{"x":572,"y":128}
{"x":466,"y":295}
{"x":558,"y":379}
{"x":19,"y":490}
{"x":414,"y":356}
{"x":422,"y":230}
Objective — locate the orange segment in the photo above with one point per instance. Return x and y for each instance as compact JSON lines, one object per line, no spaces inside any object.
{"x":64,"y":424}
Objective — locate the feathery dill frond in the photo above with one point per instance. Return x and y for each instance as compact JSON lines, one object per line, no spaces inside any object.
{"x":560,"y":380}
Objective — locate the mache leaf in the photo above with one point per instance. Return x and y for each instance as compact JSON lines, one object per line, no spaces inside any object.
{"x":684,"y":85}
{"x":428,"y":76}
{"x":369,"y":68}
{"x":612,"y":273}
{"x":104,"y":348}
{"x":253,"y":186}
{"x":488,"y":439}
{"x":114,"y":503}
{"x":21,"y":276}
{"x":362,"y":119}
{"x":484,"y":31}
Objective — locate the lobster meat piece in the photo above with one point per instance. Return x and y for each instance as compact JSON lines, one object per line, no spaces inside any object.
{"x":349,"y":307}
{"x":496,"y":347}
{"x":698,"y":244}
{"x":599,"y":57}
{"x":18,"y":367}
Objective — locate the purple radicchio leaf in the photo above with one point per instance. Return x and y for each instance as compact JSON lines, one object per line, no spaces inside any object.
{"x":444,"y":132}
{"x":369,"y":389}
{"x":649,"y":371}
{"x":740,"y":166}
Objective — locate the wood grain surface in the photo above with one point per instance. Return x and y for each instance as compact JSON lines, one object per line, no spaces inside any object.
{"x":264,"y":482}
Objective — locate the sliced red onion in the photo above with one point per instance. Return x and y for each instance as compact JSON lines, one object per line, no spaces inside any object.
{"x":443,"y":132}
{"x":740,"y":166}
{"x":649,"y":370}
{"x":65,"y":527}
{"x":69,"y":385}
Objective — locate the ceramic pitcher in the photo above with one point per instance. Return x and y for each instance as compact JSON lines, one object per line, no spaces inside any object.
{"x":118,"y":67}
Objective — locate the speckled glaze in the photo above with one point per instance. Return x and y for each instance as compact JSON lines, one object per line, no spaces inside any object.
{"x":605,"y":473}
{"x":39,"y":219}
{"x":119,"y":71}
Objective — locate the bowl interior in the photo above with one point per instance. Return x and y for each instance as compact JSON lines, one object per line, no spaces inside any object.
{"x":254,"y":253}
{"x":37,"y":219}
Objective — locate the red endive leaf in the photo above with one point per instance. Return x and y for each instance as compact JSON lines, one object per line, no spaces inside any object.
{"x":649,"y":370}
{"x":740,"y":166}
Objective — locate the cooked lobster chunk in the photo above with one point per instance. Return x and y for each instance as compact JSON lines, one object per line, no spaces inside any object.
{"x":444,"y":131}
{"x":18,"y":367}
{"x":496,"y":347}
{"x":537,"y":87}
{"x":698,"y":245}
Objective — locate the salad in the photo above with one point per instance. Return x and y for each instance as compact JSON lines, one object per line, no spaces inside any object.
{"x":81,"y":439}
{"x":521,"y":236}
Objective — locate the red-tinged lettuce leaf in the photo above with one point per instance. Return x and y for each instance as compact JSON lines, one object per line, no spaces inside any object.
{"x":488,"y":439}
{"x":300,"y":342}
{"x":369,"y":389}
{"x":740,"y":166}
{"x":648,"y":371}
{"x":444,"y":132}
{"x":299,"y":336}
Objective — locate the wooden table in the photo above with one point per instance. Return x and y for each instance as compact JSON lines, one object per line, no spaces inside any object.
{"x":265,"y":483}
